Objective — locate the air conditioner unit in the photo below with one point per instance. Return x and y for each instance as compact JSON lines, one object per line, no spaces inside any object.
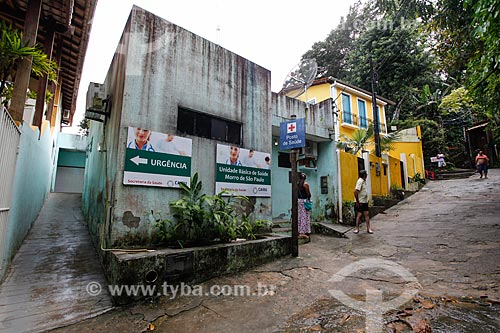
{"x":96,"y":96}
{"x":310,"y":150}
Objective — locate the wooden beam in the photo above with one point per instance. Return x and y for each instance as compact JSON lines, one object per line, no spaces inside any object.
{"x":52,"y":86}
{"x":24,"y":69}
{"x":42,"y":81}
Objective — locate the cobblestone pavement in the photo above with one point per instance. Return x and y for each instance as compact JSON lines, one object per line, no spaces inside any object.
{"x":431,"y":253}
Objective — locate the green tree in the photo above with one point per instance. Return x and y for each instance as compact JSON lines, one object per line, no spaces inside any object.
{"x":332,"y":53}
{"x":402,"y":63}
{"x":466,"y":34}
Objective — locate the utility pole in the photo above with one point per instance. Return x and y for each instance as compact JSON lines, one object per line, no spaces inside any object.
{"x":376,"y":130}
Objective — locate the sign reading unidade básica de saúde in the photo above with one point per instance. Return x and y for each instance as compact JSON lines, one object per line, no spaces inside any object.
{"x":242,"y":171}
{"x":156,"y":159}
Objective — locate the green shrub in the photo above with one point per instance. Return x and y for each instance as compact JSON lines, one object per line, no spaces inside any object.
{"x":418,"y":178}
{"x":201,"y":219}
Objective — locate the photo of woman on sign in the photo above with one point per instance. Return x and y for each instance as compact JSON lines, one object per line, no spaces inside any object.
{"x":139,"y":138}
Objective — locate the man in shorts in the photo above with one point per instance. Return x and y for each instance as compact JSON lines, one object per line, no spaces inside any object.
{"x":361,"y":196}
{"x":482,"y":162}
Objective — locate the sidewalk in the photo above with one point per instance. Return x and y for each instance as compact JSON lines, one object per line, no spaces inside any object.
{"x":46,"y":285}
{"x":446,"y":237}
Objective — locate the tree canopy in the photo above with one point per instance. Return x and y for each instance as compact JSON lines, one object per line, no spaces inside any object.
{"x":438,"y":60}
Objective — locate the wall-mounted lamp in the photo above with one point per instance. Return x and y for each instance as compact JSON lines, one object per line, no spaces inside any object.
{"x":275,"y":140}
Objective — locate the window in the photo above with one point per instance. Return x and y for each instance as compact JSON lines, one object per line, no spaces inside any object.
{"x":346,"y":109}
{"x":381,"y":126}
{"x":284,"y":160}
{"x":205,"y":126}
{"x":363,"y":121}
{"x":324,"y":184}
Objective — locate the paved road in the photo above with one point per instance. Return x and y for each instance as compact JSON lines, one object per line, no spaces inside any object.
{"x":437,"y":250}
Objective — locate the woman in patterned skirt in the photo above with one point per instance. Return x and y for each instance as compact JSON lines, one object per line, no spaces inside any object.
{"x":304,"y":215}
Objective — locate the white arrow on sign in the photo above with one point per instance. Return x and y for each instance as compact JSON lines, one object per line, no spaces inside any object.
{"x":138,"y":160}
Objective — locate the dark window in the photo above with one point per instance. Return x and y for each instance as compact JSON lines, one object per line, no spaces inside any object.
{"x":202,"y":126}
{"x":284,"y":160}
{"x":205,"y":126}
{"x":218,"y":130}
{"x":324,"y":184}
{"x":233,"y":133}
{"x":185,"y":121}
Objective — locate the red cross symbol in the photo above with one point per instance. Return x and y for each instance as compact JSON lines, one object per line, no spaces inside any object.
{"x":291,"y":128}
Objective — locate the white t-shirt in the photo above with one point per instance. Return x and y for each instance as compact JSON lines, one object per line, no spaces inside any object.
{"x":170,"y":147}
{"x":248,"y":161}
{"x":361,"y":187}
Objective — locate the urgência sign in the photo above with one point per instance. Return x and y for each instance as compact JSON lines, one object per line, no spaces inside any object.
{"x":241,"y":171}
{"x":156,"y":159}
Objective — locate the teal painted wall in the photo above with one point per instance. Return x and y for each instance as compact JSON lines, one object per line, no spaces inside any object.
{"x":31,"y":185}
{"x":71,"y":158}
{"x":282,"y":188}
{"x":319,"y":128}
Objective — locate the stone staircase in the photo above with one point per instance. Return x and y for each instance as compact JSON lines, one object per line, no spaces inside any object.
{"x":454,"y":174}
{"x":284,"y":227}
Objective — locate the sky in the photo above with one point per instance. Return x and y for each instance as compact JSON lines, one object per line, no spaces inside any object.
{"x":271,"y":33}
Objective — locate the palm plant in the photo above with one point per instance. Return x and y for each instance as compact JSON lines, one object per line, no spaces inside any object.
{"x":359,"y":140}
{"x":388,"y":141}
{"x":12,"y":50}
{"x":363,"y":138}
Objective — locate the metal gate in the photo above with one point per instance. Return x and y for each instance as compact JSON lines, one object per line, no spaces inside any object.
{"x":9,"y":142}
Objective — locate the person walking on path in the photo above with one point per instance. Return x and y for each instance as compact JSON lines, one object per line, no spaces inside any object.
{"x":303,"y":213}
{"x":361,"y":196}
{"x":482,"y":162}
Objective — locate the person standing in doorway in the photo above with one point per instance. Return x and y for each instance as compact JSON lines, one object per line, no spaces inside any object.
{"x":361,"y":196}
{"x":482,"y":162}
{"x":303,"y":214}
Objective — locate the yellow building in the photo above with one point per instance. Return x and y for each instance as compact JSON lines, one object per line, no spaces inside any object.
{"x":354,"y":111}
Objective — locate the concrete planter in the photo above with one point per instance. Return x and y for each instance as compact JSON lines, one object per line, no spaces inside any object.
{"x":189,"y":265}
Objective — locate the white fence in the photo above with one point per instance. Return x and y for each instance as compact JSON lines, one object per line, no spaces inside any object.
{"x":9,"y":143}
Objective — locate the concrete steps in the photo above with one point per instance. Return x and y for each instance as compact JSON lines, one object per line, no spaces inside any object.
{"x":284,"y":227}
{"x":455,"y":174}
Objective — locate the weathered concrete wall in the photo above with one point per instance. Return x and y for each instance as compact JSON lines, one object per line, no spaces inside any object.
{"x":158,"y":68}
{"x":319,"y":128}
{"x":192,"y":265}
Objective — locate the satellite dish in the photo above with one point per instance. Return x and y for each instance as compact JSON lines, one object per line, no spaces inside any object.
{"x":300,"y":78}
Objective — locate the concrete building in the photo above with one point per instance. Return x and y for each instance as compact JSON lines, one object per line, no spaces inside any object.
{"x":353,"y":110}
{"x":168,"y":80}
{"x":317,"y":159}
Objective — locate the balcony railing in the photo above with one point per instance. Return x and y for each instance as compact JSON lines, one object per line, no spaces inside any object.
{"x":362,"y":122}
{"x":349,"y":118}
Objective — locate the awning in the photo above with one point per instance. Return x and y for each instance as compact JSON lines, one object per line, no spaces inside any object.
{"x":477,"y":126}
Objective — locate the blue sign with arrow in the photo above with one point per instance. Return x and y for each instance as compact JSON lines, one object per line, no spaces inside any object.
{"x":293,"y":134}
